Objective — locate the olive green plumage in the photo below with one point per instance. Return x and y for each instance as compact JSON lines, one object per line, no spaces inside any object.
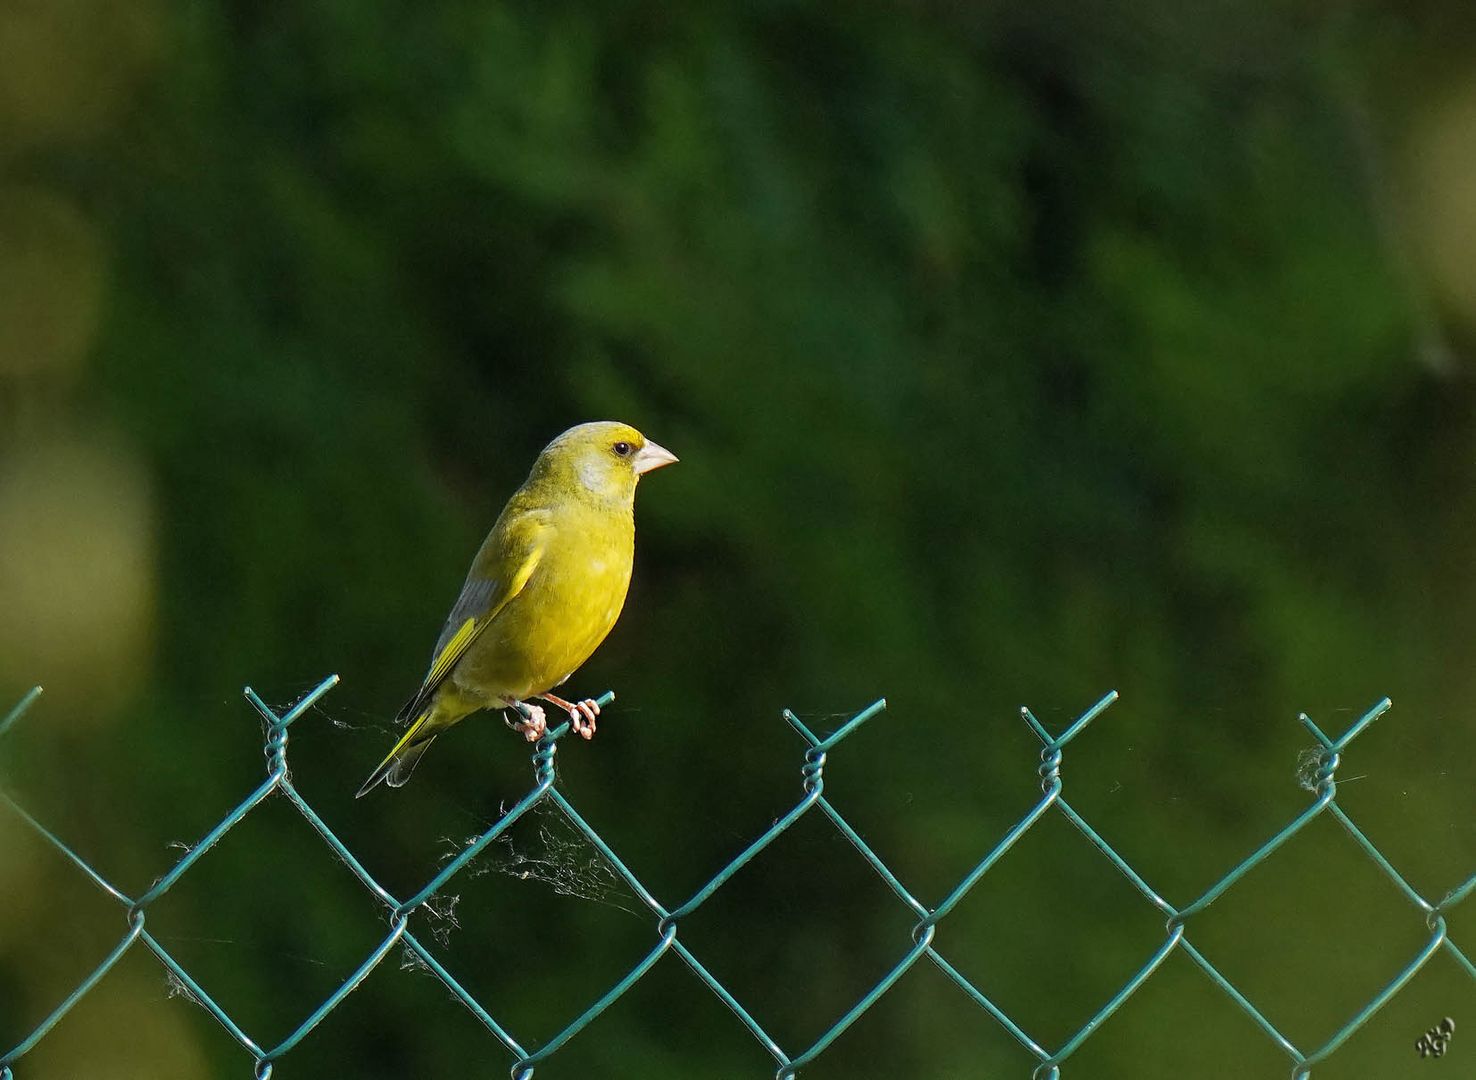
{"x":542,"y":593}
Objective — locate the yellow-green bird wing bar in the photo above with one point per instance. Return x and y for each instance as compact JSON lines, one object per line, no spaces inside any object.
{"x":515,"y":547}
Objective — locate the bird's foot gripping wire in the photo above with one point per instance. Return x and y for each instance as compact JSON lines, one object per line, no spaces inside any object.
{"x":531,"y":723}
{"x":582,"y":714}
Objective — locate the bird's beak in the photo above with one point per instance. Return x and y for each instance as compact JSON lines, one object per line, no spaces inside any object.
{"x":652,"y":456}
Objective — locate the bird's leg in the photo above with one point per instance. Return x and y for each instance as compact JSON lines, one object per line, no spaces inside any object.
{"x":582,"y":714}
{"x":532,"y":726}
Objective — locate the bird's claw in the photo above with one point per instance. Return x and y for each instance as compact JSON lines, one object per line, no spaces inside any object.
{"x":582,"y":716}
{"x":531,"y":723}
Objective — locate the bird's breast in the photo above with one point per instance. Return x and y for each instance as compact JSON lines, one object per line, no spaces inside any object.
{"x":550,"y":628}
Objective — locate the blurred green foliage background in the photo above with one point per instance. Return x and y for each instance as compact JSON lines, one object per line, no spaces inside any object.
{"x":1014,"y":352}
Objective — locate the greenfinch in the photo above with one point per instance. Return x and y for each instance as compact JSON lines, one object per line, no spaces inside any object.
{"x":542,"y":593}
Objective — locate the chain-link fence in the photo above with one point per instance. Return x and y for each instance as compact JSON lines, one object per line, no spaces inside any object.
{"x":669,"y":919}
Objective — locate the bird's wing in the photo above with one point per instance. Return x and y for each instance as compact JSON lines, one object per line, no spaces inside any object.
{"x":500,"y":571}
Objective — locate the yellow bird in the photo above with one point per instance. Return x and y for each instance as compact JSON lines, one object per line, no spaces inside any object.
{"x":542,"y":593}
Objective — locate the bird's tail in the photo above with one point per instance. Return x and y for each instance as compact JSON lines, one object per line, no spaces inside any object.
{"x":400,"y":762}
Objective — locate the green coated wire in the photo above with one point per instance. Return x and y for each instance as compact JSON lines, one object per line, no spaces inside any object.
{"x":668,"y":921}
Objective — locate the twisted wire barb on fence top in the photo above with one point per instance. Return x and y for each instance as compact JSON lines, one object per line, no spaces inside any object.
{"x":668,"y":919}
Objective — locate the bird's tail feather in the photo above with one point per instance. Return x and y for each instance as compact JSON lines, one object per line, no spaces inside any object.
{"x":400,"y":762}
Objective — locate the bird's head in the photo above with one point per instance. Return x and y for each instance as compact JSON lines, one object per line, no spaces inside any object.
{"x":604,"y":458}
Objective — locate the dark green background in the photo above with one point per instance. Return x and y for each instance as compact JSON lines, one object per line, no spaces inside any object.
{"x":1014,"y":352}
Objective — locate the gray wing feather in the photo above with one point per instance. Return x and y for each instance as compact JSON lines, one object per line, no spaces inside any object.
{"x":519,"y":535}
{"x":474,"y":602}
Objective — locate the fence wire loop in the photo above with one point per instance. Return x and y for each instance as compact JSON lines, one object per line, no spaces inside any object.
{"x":543,"y":760}
{"x":1049,"y":1064}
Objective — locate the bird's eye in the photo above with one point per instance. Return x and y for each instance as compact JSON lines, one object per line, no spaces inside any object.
{"x":622,"y":448}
